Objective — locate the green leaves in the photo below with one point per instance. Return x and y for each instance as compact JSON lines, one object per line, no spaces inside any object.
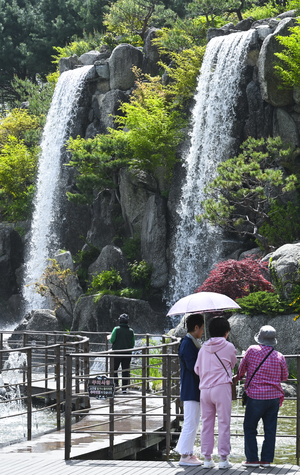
{"x":289,"y":65}
{"x":246,"y":186}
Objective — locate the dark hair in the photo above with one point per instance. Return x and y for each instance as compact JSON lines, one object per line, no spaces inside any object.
{"x":193,"y":320}
{"x":218,"y":326}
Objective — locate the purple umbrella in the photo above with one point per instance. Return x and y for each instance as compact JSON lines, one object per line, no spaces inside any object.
{"x":203,"y":302}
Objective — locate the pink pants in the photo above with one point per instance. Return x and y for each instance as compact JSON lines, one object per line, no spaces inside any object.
{"x":215,"y":400}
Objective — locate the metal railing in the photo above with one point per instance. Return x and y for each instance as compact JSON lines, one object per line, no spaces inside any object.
{"x":153,"y":393}
{"x":110,"y":410}
{"x":33,"y":370}
{"x":56,"y":370}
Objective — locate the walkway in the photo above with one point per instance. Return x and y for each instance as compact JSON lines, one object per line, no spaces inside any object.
{"x":46,"y":464}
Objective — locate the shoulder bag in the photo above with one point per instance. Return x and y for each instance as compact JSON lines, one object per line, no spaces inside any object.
{"x":233,"y":385}
{"x":244,"y":395}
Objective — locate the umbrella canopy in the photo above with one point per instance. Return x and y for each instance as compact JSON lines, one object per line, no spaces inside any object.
{"x":202,"y":302}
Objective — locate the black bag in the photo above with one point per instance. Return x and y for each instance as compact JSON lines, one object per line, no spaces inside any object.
{"x":244,"y":398}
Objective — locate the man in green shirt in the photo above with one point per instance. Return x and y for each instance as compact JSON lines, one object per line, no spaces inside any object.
{"x":122,"y":337}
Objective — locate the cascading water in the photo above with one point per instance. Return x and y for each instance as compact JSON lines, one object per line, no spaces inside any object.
{"x":44,"y":239}
{"x":199,"y":246}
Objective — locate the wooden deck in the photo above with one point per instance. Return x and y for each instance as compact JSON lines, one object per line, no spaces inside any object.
{"x":47,"y":464}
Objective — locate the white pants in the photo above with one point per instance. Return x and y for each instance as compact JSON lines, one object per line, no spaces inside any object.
{"x":185,"y":445}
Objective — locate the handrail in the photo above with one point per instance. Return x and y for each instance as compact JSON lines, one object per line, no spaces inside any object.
{"x":58,"y":369}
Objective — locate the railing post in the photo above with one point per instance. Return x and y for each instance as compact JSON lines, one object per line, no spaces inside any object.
{"x":86,"y":372}
{"x":57,"y":380}
{"x":68,"y":407}
{"x":168,"y":406}
{"x":298,"y":411}
{"x":144,"y":401}
{"x":111,"y":410}
{"x":46,"y":363}
{"x":29,"y":393}
{"x":147,"y":362}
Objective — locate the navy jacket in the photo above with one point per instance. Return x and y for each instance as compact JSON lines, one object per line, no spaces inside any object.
{"x":189,"y":381}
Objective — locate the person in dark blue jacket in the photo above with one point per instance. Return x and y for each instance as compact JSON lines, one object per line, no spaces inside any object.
{"x":189,"y":389}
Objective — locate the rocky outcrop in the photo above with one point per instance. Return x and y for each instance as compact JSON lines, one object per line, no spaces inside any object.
{"x":68,"y":292}
{"x":244,"y":327}
{"x":104,"y":213}
{"x":270,"y":82}
{"x":154,"y":239}
{"x":38,"y":320}
{"x":123,"y":58}
{"x":135,"y":190}
{"x":111,"y":257}
{"x":285,"y":262}
{"x":103,"y":315}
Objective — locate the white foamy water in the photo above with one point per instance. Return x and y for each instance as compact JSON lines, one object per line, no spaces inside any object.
{"x":199,"y":246}
{"x":43,"y":237}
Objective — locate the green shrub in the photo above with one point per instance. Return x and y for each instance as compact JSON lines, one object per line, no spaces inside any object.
{"x":108,"y":280}
{"x":264,"y":11}
{"x":140,"y":272}
{"x":132,"y":247}
{"x":263,"y":302}
{"x":280,"y":230}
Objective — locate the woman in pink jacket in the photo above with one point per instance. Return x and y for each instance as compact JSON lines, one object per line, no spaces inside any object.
{"x":215,"y":361}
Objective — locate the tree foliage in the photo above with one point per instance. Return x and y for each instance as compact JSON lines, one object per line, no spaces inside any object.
{"x":239,"y":198}
{"x":213,"y":8}
{"x":289,"y":66}
{"x":54,"y":284}
{"x":30,"y":29}
{"x":135,"y":16}
{"x":237,"y":279}
{"x":146,"y":139}
{"x":17,"y":172}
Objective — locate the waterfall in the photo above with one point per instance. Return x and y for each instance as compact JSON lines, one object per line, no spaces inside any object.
{"x":197,"y":247}
{"x":44,"y":239}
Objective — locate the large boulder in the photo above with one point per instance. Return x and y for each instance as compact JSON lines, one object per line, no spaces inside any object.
{"x":244,"y":327}
{"x":89,"y":58}
{"x":270,"y":82}
{"x":103,"y":315}
{"x":153,"y":239}
{"x":43,"y":320}
{"x":65,"y":64}
{"x":135,"y":190}
{"x":121,"y":62}
{"x":111,"y":257}
{"x":285,"y":262}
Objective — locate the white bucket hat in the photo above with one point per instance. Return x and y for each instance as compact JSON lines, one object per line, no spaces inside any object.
{"x":266,"y":336}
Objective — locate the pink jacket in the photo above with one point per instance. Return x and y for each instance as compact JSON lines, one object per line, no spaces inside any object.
{"x":209,"y":368}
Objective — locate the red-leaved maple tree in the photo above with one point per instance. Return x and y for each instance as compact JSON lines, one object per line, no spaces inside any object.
{"x":237,"y":279}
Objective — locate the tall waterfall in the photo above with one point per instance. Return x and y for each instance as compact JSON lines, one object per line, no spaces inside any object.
{"x":44,"y":239}
{"x":197,"y":247}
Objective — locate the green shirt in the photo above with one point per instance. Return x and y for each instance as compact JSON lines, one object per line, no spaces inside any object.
{"x":122,"y":337}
